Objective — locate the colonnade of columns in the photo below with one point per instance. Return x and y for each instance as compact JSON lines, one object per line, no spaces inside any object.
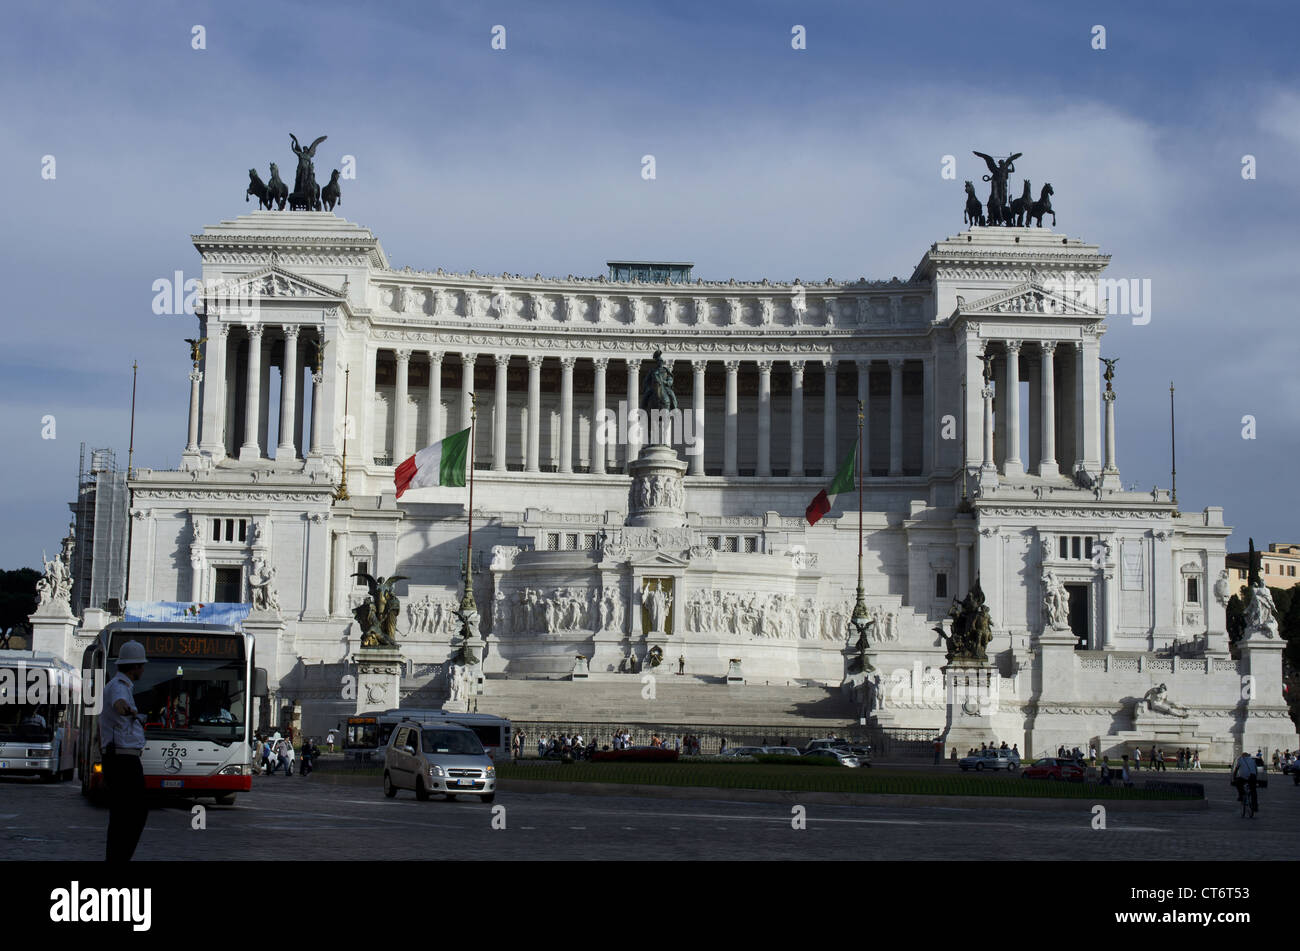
{"x":233,"y":401}
{"x":597,"y":402}
{"x":1063,"y":410}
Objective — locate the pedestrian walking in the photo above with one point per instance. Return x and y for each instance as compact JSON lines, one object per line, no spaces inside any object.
{"x":121,"y":737}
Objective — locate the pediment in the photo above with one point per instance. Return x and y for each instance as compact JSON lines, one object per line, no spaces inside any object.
{"x":1034,"y":298}
{"x":661,"y":559}
{"x":274,"y":281}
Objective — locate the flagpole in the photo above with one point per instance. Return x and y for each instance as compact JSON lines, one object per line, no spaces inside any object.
{"x":130,"y":452}
{"x":341,"y":495}
{"x":467,"y":602}
{"x":1173,"y":449}
{"x":860,"y":619}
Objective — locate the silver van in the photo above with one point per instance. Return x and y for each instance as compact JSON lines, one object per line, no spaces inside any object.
{"x":438,"y":757}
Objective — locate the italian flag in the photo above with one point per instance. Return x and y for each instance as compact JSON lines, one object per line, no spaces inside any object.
{"x":844,"y":482}
{"x":443,"y":463}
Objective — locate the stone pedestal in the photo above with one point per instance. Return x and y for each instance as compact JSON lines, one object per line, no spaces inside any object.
{"x":267,"y":628}
{"x":657,"y":497}
{"x":379,"y":678}
{"x":1267,"y":724}
{"x":734,"y":674}
{"x":52,"y":629}
{"x":971,"y":702}
{"x":580,"y":671}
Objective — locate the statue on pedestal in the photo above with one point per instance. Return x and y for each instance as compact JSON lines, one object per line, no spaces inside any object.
{"x":306,"y":191}
{"x":1056,"y":601}
{"x":1261,"y":612}
{"x":971,"y":627}
{"x":261,"y":583}
{"x":377,"y":616}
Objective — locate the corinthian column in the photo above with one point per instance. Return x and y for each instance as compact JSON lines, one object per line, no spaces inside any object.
{"x":829,"y":405}
{"x":566,"y":414}
{"x":796,"y":418}
{"x":499,"y":424}
{"x":288,"y":395}
{"x":729,"y":467}
{"x":534,"y":412}
{"x":633,"y":405}
{"x":895,"y":416}
{"x":1047,"y":409}
{"x":1013,"y":465}
{"x":764,"y":470}
{"x":599,"y":448}
{"x":250,"y":450}
{"x":434,"y":424}
{"x":192,"y":442}
{"x":467,"y":361}
{"x":699,"y":367}
{"x":399,"y":405}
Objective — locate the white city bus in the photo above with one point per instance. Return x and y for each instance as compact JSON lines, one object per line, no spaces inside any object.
{"x":40,"y":710}
{"x":197,"y":694}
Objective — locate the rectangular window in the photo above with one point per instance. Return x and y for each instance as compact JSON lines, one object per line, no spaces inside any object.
{"x":229,"y":586}
{"x":941,"y":584}
{"x":715,"y":542}
{"x":751,"y":544}
{"x":571,"y":542}
{"x":588,"y":541}
{"x":363,"y":568}
{"x":1193,"y":591}
{"x":1065,"y":547}
{"x":230,"y":529}
{"x":1074,"y":547}
{"x":733,"y":543}
{"x":552,"y":541}
{"x":1267,"y":569}
{"x":216,"y":529}
{"x":1087,"y":548}
{"x":243,"y":529}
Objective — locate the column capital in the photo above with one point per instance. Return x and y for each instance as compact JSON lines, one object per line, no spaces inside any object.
{"x":317,"y":379}
{"x":403,"y":356}
{"x":634,"y":363}
{"x":535,"y":361}
{"x":255,"y":331}
{"x":1047,"y":346}
{"x":567,"y":362}
{"x":765,"y":366}
{"x":733,"y":366}
{"x":435,"y":357}
{"x":1013,"y":346}
{"x":469,"y":359}
{"x":797,"y":368}
{"x":863,"y":364}
{"x":196,"y":376}
{"x":1108,"y":396}
{"x":699,"y":366}
{"x":220,"y":329}
{"x":291,"y":331}
{"x":600,"y":363}
{"x":502,"y":360}
{"x":896,"y":363}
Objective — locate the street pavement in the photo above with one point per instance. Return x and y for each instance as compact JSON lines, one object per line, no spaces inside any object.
{"x":310,"y":819}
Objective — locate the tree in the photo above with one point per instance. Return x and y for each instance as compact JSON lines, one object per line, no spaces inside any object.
{"x":17,"y":596}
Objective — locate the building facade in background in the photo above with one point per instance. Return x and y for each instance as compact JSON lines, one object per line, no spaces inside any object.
{"x":989,"y":455}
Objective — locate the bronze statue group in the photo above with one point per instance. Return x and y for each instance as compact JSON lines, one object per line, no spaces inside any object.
{"x":1019,"y":212}
{"x":307,"y":195}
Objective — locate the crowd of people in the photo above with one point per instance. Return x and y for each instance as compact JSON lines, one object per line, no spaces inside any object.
{"x":558,"y":745}
{"x":276,"y":753}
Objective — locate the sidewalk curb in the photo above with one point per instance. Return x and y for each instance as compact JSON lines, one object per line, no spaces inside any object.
{"x":543,"y":786}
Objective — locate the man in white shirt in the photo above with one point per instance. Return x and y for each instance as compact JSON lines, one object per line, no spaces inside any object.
{"x":121,"y":738}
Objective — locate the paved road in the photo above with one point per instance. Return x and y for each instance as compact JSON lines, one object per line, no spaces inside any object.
{"x":298,"y":818}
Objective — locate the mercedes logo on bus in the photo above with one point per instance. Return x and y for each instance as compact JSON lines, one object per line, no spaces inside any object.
{"x":172,"y":764}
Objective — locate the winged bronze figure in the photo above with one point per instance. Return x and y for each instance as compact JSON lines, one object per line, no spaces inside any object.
{"x":377,"y":616}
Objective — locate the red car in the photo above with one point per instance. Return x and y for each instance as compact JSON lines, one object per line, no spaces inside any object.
{"x":1068,"y":770}
{"x":636,"y":754}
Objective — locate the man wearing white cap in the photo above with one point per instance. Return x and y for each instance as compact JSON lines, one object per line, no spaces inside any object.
{"x":121,"y":737}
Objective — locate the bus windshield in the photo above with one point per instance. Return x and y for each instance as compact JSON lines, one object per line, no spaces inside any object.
{"x":193,"y":699}
{"x":26,"y":722}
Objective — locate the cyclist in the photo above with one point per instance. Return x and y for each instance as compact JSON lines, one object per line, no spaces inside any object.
{"x":1245,"y":777}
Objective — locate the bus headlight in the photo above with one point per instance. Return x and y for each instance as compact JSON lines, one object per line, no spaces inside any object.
{"x":97,"y":768}
{"x":236,"y":771}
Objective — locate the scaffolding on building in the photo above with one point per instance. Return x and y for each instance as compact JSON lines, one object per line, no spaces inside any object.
{"x":100,"y":516}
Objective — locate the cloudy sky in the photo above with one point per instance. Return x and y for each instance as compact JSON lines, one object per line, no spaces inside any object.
{"x":771,"y":162}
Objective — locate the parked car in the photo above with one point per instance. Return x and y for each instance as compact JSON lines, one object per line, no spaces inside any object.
{"x":844,"y":759}
{"x":437,"y":757}
{"x":745,"y":750}
{"x":1055,"y":768}
{"x":636,"y":754}
{"x":781,"y":750}
{"x":824,"y":743}
{"x":991,"y":759}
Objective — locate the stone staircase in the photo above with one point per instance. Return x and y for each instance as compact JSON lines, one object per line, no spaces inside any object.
{"x":621,"y":699}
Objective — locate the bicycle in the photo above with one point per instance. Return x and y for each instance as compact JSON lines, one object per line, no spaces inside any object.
{"x":1249,"y":797}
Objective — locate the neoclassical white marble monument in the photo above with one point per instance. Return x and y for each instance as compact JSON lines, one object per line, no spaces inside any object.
{"x":705,"y":553}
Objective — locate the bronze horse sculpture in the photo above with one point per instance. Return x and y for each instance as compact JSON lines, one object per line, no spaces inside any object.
{"x":974,"y":214}
{"x":258,"y":188}
{"x":1020,"y":207}
{"x":331,"y":194}
{"x":1042,"y":207}
{"x":276,"y":190}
